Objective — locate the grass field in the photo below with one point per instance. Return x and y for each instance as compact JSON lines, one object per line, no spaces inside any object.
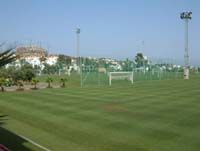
{"x":147,"y":116}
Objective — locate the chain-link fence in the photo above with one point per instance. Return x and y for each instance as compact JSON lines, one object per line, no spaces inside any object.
{"x":96,"y":72}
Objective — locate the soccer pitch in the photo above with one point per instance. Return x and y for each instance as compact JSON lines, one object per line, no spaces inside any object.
{"x":146,"y":116}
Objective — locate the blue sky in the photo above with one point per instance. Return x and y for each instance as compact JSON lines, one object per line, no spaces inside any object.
{"x":110,"y":28}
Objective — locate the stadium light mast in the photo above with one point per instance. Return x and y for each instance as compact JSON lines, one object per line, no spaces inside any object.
{"x":78,"y":45}
{"x":186,"y":16}
{"x":79,"y":64}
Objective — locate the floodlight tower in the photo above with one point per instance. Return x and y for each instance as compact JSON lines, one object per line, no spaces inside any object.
{"x":79,"y":64}
{"x":186,"y":16}
{"x":78,"y":45}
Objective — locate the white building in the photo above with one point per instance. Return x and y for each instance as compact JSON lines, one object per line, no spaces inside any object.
{"x":51,"y":59}
{"x":34,"y":61}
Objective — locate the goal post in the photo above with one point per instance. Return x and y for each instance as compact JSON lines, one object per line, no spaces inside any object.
{"x":120,"y":76}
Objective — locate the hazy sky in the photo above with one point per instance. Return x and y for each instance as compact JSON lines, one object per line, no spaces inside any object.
{"x":110,"y":28}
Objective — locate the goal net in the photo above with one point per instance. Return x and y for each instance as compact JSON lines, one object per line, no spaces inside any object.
{"x":120,"y":76}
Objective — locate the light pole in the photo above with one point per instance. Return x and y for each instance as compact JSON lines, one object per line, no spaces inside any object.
{"x":186,"y":16}
{"x":78,"y":46}
{"x":79,"y":64}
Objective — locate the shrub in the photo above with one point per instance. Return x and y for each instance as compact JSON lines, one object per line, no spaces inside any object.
{"x":35,"y":82}
{"x":49,"y":80}
{"x":2,"y":84}
{"x":63,"y":82}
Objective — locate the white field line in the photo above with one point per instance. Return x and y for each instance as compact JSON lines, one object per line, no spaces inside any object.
{"x":34,"y":143}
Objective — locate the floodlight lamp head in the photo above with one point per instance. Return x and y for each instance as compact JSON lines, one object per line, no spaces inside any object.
{"x":186,"y":15}
{"x":78,"y":30}
{"x":190,"y":15}
{"x":182,"y":15}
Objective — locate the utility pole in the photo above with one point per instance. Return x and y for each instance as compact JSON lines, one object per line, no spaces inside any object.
{"x":186,"y":16}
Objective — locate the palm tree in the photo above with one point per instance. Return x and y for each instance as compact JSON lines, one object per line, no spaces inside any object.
{"x":35,"y":82}
{"x":2,"y":84}
{"x":49,"y":81}
{"x":63,"y":82}
{"x":140,"y":60}
{"x":7,"y":56}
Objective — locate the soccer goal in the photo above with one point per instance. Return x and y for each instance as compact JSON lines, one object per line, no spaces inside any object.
{"x":120,"y":76}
